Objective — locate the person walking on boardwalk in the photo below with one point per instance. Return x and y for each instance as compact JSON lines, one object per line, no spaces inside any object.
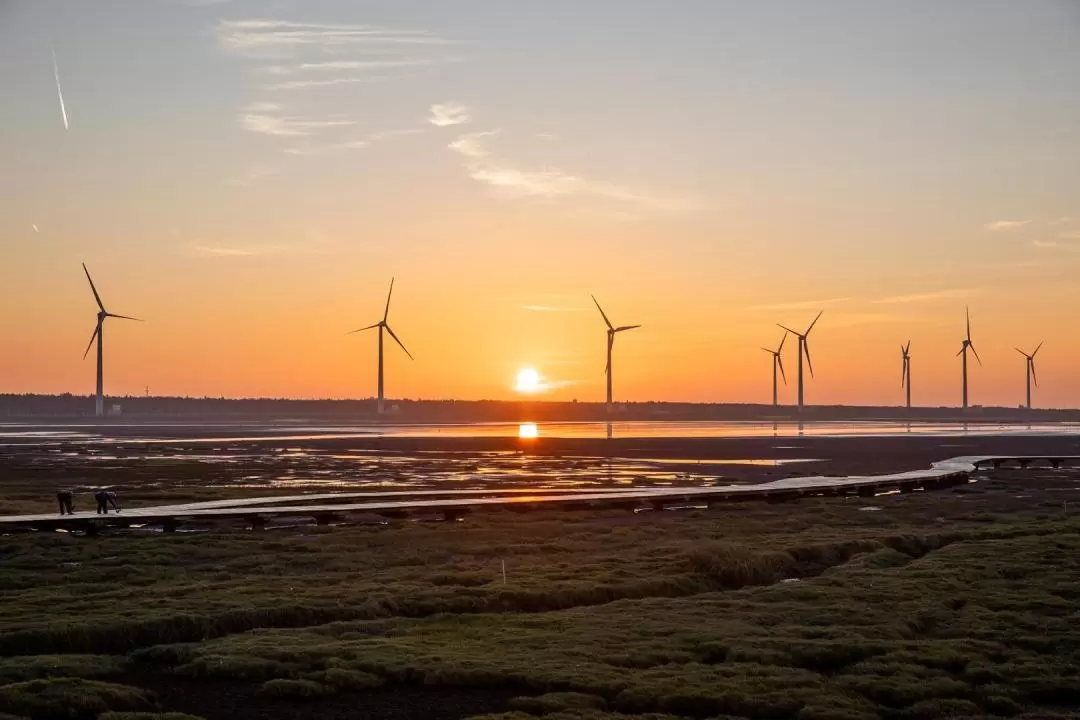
{"x":104,"y":499}
{"x":63,"y":499}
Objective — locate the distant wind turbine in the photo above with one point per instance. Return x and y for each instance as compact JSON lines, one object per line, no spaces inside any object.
{"x":967,"y":344}
{"x":777,"y":362}
{"x":611,"y":331}
{"x":804,"y":349}
{"x":905,"y":377}
{"x":99,"y":400}
{"x":1029,"y":371}
{"x":383,"y":325}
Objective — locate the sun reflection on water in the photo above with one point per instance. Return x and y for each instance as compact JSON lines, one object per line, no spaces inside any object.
{"x":528,"y":431}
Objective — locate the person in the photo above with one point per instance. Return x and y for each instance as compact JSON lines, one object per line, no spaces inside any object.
{"x":104,"y":499}
{"x":63,"y":499}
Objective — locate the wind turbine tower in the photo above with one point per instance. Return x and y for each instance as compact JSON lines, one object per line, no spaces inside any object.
{"x":1029,"y":371}
{"x":964,"y":347}
{"x":383,"y":325}
{"x":611,"y":332}
{"x":905,"y":377}
{"x":804,"y":349}
{"x":99,"y":399}
{"x":777,"y":362}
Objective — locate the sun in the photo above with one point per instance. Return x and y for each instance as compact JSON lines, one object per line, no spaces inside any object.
{"x":529,"y":381}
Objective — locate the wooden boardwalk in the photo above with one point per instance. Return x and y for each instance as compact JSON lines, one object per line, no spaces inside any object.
{"x":327,"y":508}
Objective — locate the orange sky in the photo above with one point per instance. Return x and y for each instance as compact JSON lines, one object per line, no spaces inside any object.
{"x":884,"y":165}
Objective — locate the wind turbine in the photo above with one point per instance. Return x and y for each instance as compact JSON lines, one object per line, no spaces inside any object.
{"x":1029,"y":371}
{"x":383,"y":325}
{"x":611,"y":331}
{"x":905,"y":377}
{"x":777,"y":362}
{"x":963,"y":351}
{"x":804,"y":348}
{"x":99,"y":400}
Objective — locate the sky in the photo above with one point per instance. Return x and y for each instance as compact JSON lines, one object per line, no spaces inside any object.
{"x":248,"y":175}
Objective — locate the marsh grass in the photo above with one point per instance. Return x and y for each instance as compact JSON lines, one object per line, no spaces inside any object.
{"x":71,"y":699}
{"x":809,"y":611}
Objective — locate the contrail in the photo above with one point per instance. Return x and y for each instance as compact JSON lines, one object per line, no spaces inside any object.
{"x":59,"y":92}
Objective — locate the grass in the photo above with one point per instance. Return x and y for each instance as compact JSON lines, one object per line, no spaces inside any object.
{"x":806,"y":611}
{"x":71,"y":699}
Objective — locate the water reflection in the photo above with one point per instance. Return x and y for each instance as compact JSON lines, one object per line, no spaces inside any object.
{"x":528,"y":431}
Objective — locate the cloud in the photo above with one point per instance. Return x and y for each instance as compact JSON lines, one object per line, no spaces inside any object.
{"x":355,"y":65}
{"x":801,"y":304}
{"x":550,"y":183}
{"x":1070,"y":235}
{"x":929,"y":296}
{"x":1060,"y":221}
{"x":839,"y":320}
{"x":257,"y":37}
{"x":355,"y":144}
{"x":262,"y":118}
{"x":221,"y":251}
{"x":255,"y":173}
{"x":35,"y":228}
{"x":999,"y":225}
{"x":302,"y":84}
{"x":446,"y":114}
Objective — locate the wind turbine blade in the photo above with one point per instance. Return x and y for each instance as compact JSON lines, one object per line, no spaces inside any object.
{"x":782,"y":339}
{"x":903,"y":374}
{"x":93,"y":337}
{"x":967,"y":315}
{"x":814,"y":323}
{"x":961,"y":351}
{"x":602,"y":313}
{"x":780,"y":363}
{"x":1033,"y":377}
{"x":907,"y":348}
{"x":1022,"y":352}
{"x":771,"y":352}
{"x":96,"y":296}
{"x":1037,"y":350}
{"x":369,"y":327}
{"x":123,"y":317}
{"x":399,"y":342}
{"x":626,"y":327}
{"x":386,"y":313}
{"x":976,"y":353}
{"x":785,"y":327}
{"x":806,"y":349}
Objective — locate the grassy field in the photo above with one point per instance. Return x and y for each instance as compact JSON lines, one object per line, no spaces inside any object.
{"x":960,"y":603}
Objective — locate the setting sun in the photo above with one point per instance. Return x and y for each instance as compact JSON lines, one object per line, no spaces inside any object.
{"x":528,"y":381}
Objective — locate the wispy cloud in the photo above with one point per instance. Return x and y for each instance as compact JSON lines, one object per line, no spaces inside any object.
{"x":1060,"y":221}
{"x":255,"y":37}
{"x":327,"y":82}
{"x":840,"y":320}
{"x":353,"y":65}
{"x":999,"y":225}
{"x":354,"y":144}
{"x":801,"y":304}
{"x":1046,"y":244}
{"x":934,"y":296}
{"x":221,"y":251}
{"x":35,"y":228}
{"x":203,"y":249}
{"x":255,"y":173}
{"x":446,"y":114}
{"x":550,"y":183}
{"x":1070,"y":235}
{"x":265,"y":118}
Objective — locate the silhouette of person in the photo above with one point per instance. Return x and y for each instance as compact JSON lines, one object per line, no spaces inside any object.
{"x":104,"y":499}
{"x":63,"y":499}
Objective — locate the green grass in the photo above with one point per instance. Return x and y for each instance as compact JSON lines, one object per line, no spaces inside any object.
{"x":71,"y":699}
{"x":807,"y":611}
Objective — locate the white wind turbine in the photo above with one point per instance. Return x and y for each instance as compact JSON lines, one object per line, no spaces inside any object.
{"x":967,"y":344}
{"x":804,"y":349}
{"x":777,"y":362}
{"x":611,"y":331}
{"x":383,"y":325}
{"x":905,"y":377}
{"x":1029,"y":371}
{"x":99,"y":399}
